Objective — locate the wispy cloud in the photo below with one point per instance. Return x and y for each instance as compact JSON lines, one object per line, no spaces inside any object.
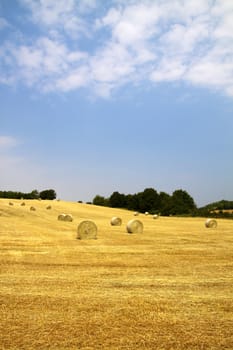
{"x":125,"y":43}
{"x":62,"y":15}
{"x":7,"y":142}
{"x":3,"y":23}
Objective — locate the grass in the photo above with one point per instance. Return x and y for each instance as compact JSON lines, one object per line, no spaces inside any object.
{"x":169,"y":288}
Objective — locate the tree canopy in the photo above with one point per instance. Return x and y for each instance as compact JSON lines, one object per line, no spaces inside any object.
{"x":48,"y":194}
{"x":179,"y":203}
{"x":45,"y":194}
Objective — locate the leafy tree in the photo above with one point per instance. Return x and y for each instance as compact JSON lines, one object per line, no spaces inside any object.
{"x":48,"y":194}
{"x":131,"y":201}
{"x":18,"y":195}
{"x":220,"y":205}
{"x":182,"y":203}
{"x":117,"y":200}
{"x":165,"y":204}
{"x":148,"y":200}
{"x":35,"y":194}
{"x":99,"y":200}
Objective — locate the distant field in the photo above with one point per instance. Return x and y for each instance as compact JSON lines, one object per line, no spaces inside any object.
{"x":229,"y":211}
{"x":170,"y":287}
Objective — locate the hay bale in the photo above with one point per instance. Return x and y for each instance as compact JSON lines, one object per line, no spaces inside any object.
{"x":23,"y":204}
{"x":136,"y":213}
{"x":32,"y":208}
{"x":211,"y":223}
{"x":10,"y":203}
{"x":146,"y":213}
{"x":134,"y":226}
{"x":68,"y":217}
{"x":87,"y":230}
{"x":155,"y":216}
{"x":116,"y":221}
{"x":49,"y":207}
{"x":61,"y":217}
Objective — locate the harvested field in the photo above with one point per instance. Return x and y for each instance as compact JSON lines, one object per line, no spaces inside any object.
{"x":169,"y":288}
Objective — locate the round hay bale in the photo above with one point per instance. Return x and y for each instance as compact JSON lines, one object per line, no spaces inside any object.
{"x":155,"y":216}
{"x":134,"y":226}
{"x":136,"y":213}
{"x":116,"y":221}
{"x":10,"y":203}
{"x":87,"y":230}
{"x":23,"y":204}
{"x":49,"y":207}
{"x":32,"y":208}
{"x":146,"y":213}
{"x":68,"y":217}
{"x":61,"y":217}
{"x":211,"y":223}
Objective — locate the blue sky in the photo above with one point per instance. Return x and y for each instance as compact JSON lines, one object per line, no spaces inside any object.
{"x":102,"y":96}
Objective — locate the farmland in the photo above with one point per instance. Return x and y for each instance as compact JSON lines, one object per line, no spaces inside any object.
{"x":170,"y":287}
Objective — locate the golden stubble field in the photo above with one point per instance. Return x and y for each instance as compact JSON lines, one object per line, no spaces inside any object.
{"x":170,"y":287}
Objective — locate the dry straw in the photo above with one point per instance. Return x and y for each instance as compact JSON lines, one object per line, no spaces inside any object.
{"x":61,"y":217}
{"x":146,"y":213}
{"x":68,"y":217}
{"x":32,"y":208}
{"x":155,"y":216}
{"x":49,"y":207}
{"x":87,"y":230}
{"x":136,"y":213}
{"x":116,"y":221}
{"x":10,"y":203}
{"x":211,"y":223}
{"x":134,"y":226}
{"x":23,"y":204}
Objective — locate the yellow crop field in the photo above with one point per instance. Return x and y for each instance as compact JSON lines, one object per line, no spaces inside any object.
{"x":168,"y":288}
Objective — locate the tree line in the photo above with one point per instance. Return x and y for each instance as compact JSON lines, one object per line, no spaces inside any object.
{"x":149,"y":200}
{"x":45,"y":194}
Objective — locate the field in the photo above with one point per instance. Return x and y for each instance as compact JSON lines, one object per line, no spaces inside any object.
{"x":169,"y":288}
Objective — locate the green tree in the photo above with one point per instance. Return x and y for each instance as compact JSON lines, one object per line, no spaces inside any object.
{"x":48,"y":194}
{"x":117,"y":200}
{"x":99,"y":200}
{"x":131,"y":201}
{"x":182,"y":203}
{"x":165,"y":203}
{"x":148,"y":200}
{"x":34,"y":194}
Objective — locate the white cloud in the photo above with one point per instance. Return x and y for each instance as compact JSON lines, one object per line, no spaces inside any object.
{"x":131,"y":41}
{"x":214,"y":74}
{"x":42,"y":63}
{"x":76,"y":79}
{"x":87,"y":5}
{"x":49,"y":12}
{"x":225,"y":28}
{"x":3,"y":23}
{"x":7,"y":142}
{"x":111,"y":64}
{"x":65,"y":15}
{"x":168,"y":71}
{"x":136,"y":24}
{"x":183,"y":39}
